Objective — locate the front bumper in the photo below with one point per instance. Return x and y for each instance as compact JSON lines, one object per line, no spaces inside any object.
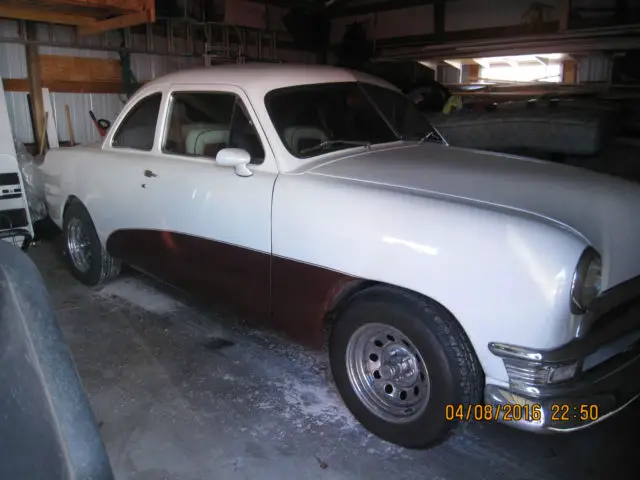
{"x":606,"y":358}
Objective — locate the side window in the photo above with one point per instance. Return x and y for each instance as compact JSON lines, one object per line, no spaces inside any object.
{"x":138,"y":129}
{"x":243,"y":134}
{"x":203,"y":123}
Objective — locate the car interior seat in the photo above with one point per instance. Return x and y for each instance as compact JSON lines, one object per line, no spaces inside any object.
{"x":301,"y":137}
{"x":200,"y":137}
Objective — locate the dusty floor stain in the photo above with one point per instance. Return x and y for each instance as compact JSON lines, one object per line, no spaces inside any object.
{"x":259,"y":407}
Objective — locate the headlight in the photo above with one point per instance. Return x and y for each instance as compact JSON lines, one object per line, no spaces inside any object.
{"x":587,"y":281}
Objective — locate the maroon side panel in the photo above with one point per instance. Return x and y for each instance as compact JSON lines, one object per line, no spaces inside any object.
{"x":289,"y":295}
{"x":235,"y":276}
{"x":301,"y":295}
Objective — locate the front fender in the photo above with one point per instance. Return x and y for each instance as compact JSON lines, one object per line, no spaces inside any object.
{"x":504,"y":275}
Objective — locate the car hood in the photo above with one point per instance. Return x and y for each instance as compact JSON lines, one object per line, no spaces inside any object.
{"x":598,"y":207}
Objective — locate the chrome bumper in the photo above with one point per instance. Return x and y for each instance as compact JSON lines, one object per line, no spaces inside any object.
{"x":606,"y":358}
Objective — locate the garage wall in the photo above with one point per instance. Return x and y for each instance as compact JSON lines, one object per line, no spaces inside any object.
{"x":393,"y":23}
{"x":595,"y":68}
{"x":475,"y":14}
{"x":464,"y":15}
{"x":13,"y":65}
{"x":460,"y":15}
{"x":144,"y":66}
{"x":600,"y":4}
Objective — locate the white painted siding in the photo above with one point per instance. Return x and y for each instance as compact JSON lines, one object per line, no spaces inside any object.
{"x":12,"y":61}
{"x":103,"y":105}
{"x":13,"y":65}
{"x":144,"y":66}
{"x":19,"y":116}
{"x":147,"y":67}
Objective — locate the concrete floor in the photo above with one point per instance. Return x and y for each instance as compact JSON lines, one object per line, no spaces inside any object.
{"x":184,"y":392}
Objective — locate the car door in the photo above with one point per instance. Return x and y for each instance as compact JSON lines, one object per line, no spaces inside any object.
{"x":199,"y":225}
{"x":107,"y":184}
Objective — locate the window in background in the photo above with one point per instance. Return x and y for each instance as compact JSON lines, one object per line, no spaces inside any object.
{"x":522,"y":68}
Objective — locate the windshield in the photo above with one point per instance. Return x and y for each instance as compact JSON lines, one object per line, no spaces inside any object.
{"x":316,"y":119}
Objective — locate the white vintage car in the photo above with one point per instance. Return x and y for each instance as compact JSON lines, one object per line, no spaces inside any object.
{"x":459,"y":285}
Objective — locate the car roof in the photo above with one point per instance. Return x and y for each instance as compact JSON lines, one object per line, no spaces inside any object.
{"x":260,"y":78}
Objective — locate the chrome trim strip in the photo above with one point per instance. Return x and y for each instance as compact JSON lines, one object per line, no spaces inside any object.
{"x":496,"y":395}
{"x":600,"y":419}
{"x":574,"y":350}
{"x":504,"y":350}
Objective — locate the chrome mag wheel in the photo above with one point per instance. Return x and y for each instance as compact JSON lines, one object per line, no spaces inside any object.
{"x":78,"y":245}
{"x":387,"y":373}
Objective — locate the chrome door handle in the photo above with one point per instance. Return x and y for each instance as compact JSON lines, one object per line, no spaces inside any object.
{"x":149,"y":174}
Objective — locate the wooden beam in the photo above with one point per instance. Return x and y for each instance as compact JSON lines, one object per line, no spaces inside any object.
{"x":116,"y":23}
{"x":507,"y":33}
{"x":564,"y":12}
{"x":381,"y":6}
{"x":38,"y":15}
{"x":79,"y":69}
{"x":124,"y":6}
{"x":570,"y":71}
{"x":65,"y":86}
{"x":35,"y":83}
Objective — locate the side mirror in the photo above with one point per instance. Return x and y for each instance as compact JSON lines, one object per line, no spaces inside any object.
{"x":236,"y":158}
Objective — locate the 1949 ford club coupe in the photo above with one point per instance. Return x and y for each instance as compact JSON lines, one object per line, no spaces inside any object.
{"x":458,"y":285}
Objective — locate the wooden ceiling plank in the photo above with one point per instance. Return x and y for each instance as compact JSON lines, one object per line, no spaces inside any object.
{"x":115,"y":23}
{"x":124,"y":6}
{"x":65,"y":86}
{"x":35,"y":15}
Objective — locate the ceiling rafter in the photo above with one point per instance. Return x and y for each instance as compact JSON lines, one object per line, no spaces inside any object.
{"x":90,"y":16}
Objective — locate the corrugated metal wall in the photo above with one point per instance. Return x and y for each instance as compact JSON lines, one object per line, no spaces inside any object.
{"x":144,"y":66}
{"x":595,"y":68}
{"x":13,"y":65}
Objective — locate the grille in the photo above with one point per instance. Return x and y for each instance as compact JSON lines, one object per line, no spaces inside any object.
{"x":631,"y":307}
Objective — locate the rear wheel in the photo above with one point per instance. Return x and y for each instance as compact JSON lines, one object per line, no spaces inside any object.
{"x":88,"y":260}
{"x":398,"y":359}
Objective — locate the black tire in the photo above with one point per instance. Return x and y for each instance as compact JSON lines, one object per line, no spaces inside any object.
{"x":454,"y":372}
{"x":102,"y":267}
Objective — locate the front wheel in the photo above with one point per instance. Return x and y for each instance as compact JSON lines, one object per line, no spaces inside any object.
{"x":88,"y":260}
{"x":398,"y":359}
